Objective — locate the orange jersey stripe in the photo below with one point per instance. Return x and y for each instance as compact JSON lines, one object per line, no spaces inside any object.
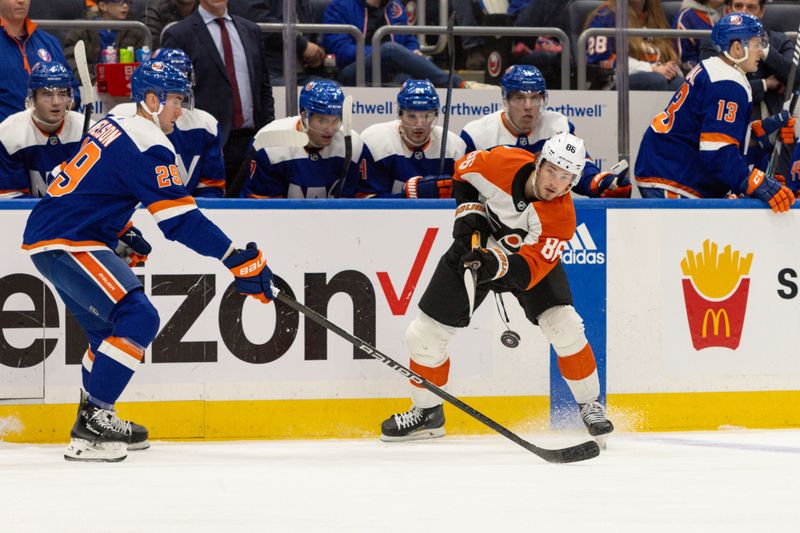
{"x":161,"y":205}
{"x":436,"y":375}
{"x":718,"y":138}
{"x":100,"y":275}
{"x":578,"y":366}
{"x":64,"y":243}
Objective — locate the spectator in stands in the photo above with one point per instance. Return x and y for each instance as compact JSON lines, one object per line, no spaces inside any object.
{"x":543,"y":52}
{"x":34,"y":141}
{"x":525,"y":123}
{"x":159,"y":13}
{"x":309,"y":53}
{"x":22,"y":45}
{"x":317,"y":170}
{"x":400,"y":54}
{"x":232,"y":80}
{"x":91,"y":8}
{"x":402,"y":156}
{"x":766,"y":83}
{"x":695,"y":15}
{"x":652,"y":63}
{"x":98,"y":40}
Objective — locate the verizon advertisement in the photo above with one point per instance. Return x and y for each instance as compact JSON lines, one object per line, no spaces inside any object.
{"x":365,"y":269}
{"x":702,"y":300}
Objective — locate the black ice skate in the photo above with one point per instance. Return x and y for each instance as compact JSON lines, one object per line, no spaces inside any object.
{"x":98,"y":436}
{"x":138,"y":433}
{"x":594,"y":417}
{"x":415,"y":424}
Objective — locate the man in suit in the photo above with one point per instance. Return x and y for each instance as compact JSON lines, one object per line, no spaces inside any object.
{"x":232,"y":79}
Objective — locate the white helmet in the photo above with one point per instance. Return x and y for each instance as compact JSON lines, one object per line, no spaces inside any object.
{"x":565,"y":151}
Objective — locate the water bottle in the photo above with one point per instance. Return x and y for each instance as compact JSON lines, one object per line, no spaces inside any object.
{"x":108,"y":55}
{"x":329,"y":68}
{"x":126,"y":55}
{"x":143,"y":54}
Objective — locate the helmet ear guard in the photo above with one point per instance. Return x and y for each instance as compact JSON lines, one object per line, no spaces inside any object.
{"x":159,"y":78}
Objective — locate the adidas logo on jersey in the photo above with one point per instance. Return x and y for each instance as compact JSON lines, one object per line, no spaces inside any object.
{"x":582,"y":250}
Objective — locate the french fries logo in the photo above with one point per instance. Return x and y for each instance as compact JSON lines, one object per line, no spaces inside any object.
{"x":715,"y":288}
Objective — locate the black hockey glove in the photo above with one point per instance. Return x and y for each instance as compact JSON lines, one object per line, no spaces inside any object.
{"x":490,"y":264}
{"x":132,"y":247}
{"x":471,"y":217}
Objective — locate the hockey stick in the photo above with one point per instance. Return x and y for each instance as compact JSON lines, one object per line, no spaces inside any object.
{"x":790,"y":94}
{"x":87,"y":94}
{"x":580,"y":452}
{"x":261,"y":141}
{"x":471,"y":275}
{"x":617,"y":169}
{"x":347,"y":128}
{"x":451,"y":50}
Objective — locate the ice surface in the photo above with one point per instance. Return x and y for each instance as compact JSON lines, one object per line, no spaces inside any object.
{"x":729,"y":481}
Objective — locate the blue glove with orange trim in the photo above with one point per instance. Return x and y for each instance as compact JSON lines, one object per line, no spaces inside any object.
{"x":132,"y":247}
{"x":253,"y":276}
{"x":428,"y":187}
{"x":768,"y":190}
{"x":782,"y":121}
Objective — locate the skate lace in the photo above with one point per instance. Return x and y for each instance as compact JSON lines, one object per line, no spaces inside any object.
{"x":408,"y":419}
{"x":593,"y":412}
{"x":110,"y":420}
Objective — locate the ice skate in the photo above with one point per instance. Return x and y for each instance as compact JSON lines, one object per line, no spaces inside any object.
{"x":98,"y":436}
{"x":593,"y":415}
{"x":414,"y":424}
{"x":138,"y":434}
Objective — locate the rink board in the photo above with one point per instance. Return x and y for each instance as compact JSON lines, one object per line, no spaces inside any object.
{"x":227,"y":368}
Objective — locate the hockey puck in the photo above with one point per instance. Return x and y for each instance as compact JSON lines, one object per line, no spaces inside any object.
{"x":510,"y":339}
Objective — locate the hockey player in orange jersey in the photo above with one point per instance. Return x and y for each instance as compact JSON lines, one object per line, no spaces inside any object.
{"x":521,"y":208}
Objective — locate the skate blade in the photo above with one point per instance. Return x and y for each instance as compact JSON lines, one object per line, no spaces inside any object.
{"x":601,"y":441}
{"x":138,"y":446}
{"x":418,"y":435}
{"x":96,"y":452}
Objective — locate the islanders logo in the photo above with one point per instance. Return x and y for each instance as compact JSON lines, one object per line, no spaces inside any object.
{"x":715,"y":289}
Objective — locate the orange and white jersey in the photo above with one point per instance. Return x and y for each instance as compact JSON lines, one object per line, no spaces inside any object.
{"x":537,"y":231}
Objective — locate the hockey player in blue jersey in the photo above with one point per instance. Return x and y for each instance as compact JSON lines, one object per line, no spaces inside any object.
{"x":695,"y":147}
{"x":47,"y":133}
{"x":313,"y":171}
{"x":70,"y":234}
{"x":525,"y":123}
{"x":402,"y":156}
{"x":195,"y":136}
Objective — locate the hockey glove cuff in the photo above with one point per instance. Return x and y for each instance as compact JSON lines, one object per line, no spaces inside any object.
{"x":768,"y":190}
{"x":490,"y":264}
{"x":132,"y":246}
{"x":471,"y":217}
{"x":608,"y":185}
{"x":252,"y":275}
{"x":428,"y":187}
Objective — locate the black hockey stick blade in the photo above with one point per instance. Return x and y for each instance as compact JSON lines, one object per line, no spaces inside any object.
{"x":580,"y":452}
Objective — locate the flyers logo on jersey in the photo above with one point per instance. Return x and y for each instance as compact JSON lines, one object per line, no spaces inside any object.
{"x":715,"y":290}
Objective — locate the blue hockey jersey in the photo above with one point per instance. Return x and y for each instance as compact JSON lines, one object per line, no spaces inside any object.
{"x":123,"y":161}
{"x":297,"y":172}
{"x":390,"y":163}
{"x":494,"y":130}
{"x":693,"y":19}
{"x":28,"y":154}
{"x":198,"y":150}
{"x":696,"y":147}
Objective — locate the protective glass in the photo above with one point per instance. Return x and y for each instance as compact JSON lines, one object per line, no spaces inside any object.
{"x":417,"y":118}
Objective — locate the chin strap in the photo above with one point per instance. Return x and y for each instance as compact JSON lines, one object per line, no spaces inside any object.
{"x":738,"y":62}
{"x":153,"y":116}
{"x":409,"y":142}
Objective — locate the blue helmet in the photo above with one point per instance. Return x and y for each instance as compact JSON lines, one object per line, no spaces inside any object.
{"x":735,"y":27}
{"x":522,"y":78}
{"x":49,"y":74}
{"x":157,"y":77}
{"x":418,"y":95}
{"x":321,"y":96}
{"x":177,"y":58}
